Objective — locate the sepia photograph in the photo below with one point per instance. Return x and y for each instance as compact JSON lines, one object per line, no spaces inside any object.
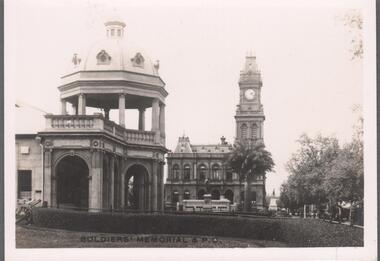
{"x":196,"y":129}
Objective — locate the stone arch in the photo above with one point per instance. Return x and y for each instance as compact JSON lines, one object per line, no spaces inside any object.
{"x":203,"y":163}
{"x":186,"y":172}
{"x":202,"y":171}
{"x":201,"y":193}
{"x":216,"y":171}
{"x":72,"y":186}
{"x":215,"y":194}
{"x":229,"y":194}
{"x":176,"y":171}
{"x":59,"y":155}
{"x":136,"y":187}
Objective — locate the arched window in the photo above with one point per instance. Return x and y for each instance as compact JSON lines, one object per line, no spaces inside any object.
{"x":175,"y":172}
{"x":201,"y":193}
{"x":244,"y":129}
{"x":186,"y":172}
{"x":202,"y":172}
{"x":229,"y":176}
{"x":215,"y":194}
{"x":186,"y":194}
{"x":229,"y":195}
{"x":215,"y":172}
{"x":254,"y":131}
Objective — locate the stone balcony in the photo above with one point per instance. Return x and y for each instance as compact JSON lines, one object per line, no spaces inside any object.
{"x":97,"y":123}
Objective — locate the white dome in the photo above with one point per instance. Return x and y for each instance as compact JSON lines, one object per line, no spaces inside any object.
{"x":113,"y":54}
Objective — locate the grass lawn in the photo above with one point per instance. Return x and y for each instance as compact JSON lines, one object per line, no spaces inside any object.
{"x":29,"y":236}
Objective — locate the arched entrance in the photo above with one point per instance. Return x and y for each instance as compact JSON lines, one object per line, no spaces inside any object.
{"x":72,"y":182}
{"x":136,"y":187}
{"x":215,"y":194}
{"x":229,"y":195}
{"x":201,"y":193}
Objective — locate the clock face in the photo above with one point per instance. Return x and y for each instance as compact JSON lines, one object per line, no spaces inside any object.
{"x":249,"y":94}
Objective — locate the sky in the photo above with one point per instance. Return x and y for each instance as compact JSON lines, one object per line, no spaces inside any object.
{"x":310,"y":82}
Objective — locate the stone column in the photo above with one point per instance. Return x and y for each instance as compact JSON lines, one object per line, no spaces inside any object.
{"x":63,"y":107}
{"x":162,"y":198}
{"x":122,"y":110}
{"x":95,"y":186}
{"x":112,"y":182}
{"x":195,"y":171}
{"x":154,"y":185}
{"x":155,"y":120}
{"x":162,"y":120}
{"x":47,"y":177}
{"x":262,"y":130}
{"x":74,"y":109}
{"x":81,"y":104}
{"x":142,"y":119}
{"x":155,"y":115}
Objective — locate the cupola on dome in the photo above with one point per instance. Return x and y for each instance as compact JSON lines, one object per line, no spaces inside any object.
{"x":113,"y":53}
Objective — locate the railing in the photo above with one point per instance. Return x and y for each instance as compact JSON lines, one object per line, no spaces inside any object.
{"x":93,"y":123}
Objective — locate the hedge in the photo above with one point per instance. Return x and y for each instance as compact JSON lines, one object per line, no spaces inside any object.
{"x":295,"y":232}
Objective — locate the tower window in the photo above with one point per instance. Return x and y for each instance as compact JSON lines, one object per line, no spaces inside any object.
{"x":118,"y":32}
{"x":112,"y":32}
{"x":254,"y":131}
{"x":244,"y":129}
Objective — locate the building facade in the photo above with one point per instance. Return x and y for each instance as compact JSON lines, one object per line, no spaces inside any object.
{"x":194,"y":170}
{"x":88,"y":161}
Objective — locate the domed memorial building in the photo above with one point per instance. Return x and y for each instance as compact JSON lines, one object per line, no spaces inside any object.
{"x":88,"y":161}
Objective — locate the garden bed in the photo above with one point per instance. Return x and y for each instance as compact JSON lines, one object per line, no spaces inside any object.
{"x":294,"y":232}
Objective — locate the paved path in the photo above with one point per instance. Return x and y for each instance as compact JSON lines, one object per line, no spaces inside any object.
{"x":36,"y":237}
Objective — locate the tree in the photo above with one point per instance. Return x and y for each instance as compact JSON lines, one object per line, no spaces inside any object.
{"x":353,"y":20}
{"x":308,"y":168}
{"x":248,"y":161}
{"x":321,"y":171}
{"x":346,"y":178}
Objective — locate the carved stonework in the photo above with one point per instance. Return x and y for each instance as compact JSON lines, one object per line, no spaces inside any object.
{"x":103,"y":57}
{"x":138,"y":60}
{"x":60,"y":154}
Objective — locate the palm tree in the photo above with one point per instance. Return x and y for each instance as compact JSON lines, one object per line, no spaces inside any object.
{"x":249,"y":160}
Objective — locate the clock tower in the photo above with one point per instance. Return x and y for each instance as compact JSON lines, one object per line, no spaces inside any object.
{"x":250,"y":114}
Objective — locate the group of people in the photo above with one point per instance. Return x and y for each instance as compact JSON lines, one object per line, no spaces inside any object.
{"x":347,"y":210}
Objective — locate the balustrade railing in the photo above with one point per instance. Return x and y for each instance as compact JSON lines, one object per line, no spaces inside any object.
{"x":72,"y":123}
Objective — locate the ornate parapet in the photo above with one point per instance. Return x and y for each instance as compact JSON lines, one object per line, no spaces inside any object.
{"x":97,"y":123}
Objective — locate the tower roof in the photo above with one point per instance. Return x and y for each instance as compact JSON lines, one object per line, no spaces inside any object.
{"x":250,"y":71}
{"x":113,"y":53}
